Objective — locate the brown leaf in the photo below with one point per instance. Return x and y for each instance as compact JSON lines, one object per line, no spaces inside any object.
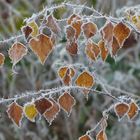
{"x":67,"y":78}
{"x":133,"y":110}
{"x":103,"y":50}
{"x":66,"y":102}
{"x":92,"y":50}
{"x":85,"y":79}
{"x":121,"y":109}
{"x":27,"y":30}
{"x":41,"y":46}
{"x":53,"y":25}
{"x":17,"y":52}
{"x":15,"y":113}
{"x":101,"y":135}
{"x":121,"y":33}
{"x":43,"y":105}
{"x":52,"y":112}
{"x":75,"y":21}
{"x":62,"y":71}
{"x":70,"y":33}
{"x":85,"y":137}
{"x":72,"y":47}
{"x":107,"y":33}
{"x":89,"y":29}
{"x":115,"y":47}
{"x":2,"y":58}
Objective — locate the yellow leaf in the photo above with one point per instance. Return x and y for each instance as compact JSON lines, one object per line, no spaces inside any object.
{"x":34,"y":27}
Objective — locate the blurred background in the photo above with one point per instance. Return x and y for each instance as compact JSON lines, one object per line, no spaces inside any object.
{"x":123,"y":73}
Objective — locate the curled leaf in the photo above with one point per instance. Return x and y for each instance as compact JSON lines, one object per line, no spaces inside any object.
{"x":27,"y":30}
{"x":17,"y":52}
{"x":115,"y":47}
{"x":92,"y":50}
{"x":89,"y":29}
{"x":103,"y":50}
{"x":34,"y":26}
{"x":66,"y":102}
{"x":15,"y":113}
{"x":52,"y":112}
{"x":72,"y":47}
{"x":70,"y":33}
{"x":42,"y":46}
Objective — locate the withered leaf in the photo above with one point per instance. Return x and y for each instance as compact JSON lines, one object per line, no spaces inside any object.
{"x":85,"y":79}
{"x":85,"y":137}
{"x":103,"y":50}
{"x":53,"y":25}
{"x":17,"y":52}
{"x":41,"y":46}
{"x":92,"y":50}
{"x":62,"y":71}
{"x":27,"y":30}
{"x":30,"y":111}
{"x":67,"y":78}
{"x":72,"y":47}
{"x":2,"y":58}
{"x":42,"y":105}
{"x":52,"y":112}
{"x":66,"y":102}
{"x":115,"y":47}
{"x":107,"y":33}
{"x":75,"y":21}
{"x":89,"y":29}
{"x":101,"y":135}
{"x":121,"y":109}
{"x":70,"y":33}
{"x":121,"y":32}
{"x":133,"y":110}
{"x":34,"y":26}
{"x":15,"y":113}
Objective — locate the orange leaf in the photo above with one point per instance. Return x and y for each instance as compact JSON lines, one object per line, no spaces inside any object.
{"x":107,"y":33}
{"x":52,"y":112}
{"x":70,"y":33}
{"x":41,"y":46}
{"x":103,"y":50}
{"x":85,"y":79}
{"x":67,"y":78}
{"x":66,"y":102}
{"x":15,"y":113}
{"x":85,"y":137}
{"x":115,"y":47}
{"x":2,"y":58}
{"x":133,"y":111}
{"x":62,"y":71}
{"x":52,"y":24}
{"x":101,"y":135}
{"x":75,"y":21}
{"x":121,"y":33}
{"x":42,"y":105}
{"x":89,"y":29}
{"x":72,"y":47}
{"x":92,"y":50}
{"x":121,"y":109}
{"x":17,"y":52}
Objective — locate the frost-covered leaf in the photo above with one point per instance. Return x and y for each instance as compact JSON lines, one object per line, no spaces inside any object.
{"x":2,"y":58}
{"x":17,"y":52}
{"x":34,"y":26}
{"x":42,"y":105}
{"x":27,"y":30}
{"x":30,"y":111}
{"x":72,"y":47}
{"x":89,"y":29}
{"x":101,"y":135}
{"x":70,"y":33}
{"x":85,"y":137}
{"x":52,"y":112}
{"x":41,"y":46}
{"x":15,"y":113}
{"x":66,"y":102}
